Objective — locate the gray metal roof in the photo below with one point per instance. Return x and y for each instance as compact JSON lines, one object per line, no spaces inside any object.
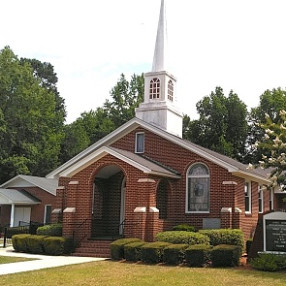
{"x":155,"y":168}
{"x":11,"y":196}
{"x":49,"y":185}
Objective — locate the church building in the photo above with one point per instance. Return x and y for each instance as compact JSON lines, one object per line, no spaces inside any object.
{"x":144,"y":178}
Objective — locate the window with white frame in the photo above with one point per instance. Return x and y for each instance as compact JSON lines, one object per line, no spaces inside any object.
{"x":260,"y":199}
{"x":139,"y":142}
{"x":154,"y":88}
{"x":247,"y":196}
{"x":198,"y":188}
{"x":48,"y":211}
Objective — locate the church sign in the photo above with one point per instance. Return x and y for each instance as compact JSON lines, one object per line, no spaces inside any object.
{"x":275,"y":232}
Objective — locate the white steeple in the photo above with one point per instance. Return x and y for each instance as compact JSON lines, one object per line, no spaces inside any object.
{"x":160,"y":53}
{"x":160,"y":102}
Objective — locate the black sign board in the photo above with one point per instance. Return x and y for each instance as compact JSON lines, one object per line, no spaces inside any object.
{"x":275,"y":235}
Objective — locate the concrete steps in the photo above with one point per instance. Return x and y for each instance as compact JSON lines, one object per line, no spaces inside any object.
{"x":93,"y":248}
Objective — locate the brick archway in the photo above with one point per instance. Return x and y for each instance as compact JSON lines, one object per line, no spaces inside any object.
{"x":107,"y":202}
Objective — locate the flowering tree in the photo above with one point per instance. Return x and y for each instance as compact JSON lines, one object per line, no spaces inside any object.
{"x":273,"y":147}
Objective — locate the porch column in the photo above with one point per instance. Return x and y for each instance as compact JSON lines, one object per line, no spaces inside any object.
{"x":12,"y":215}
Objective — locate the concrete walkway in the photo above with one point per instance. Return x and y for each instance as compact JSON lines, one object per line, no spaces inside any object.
{"x":42,"y":262}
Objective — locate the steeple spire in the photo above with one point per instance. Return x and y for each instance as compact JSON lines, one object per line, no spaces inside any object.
{"x":160,"y":53}
{"x":160,"y":106}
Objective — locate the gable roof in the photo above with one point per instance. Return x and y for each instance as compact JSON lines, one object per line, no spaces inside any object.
{"x":227,"y":163}
{"x":132,"y":159}
{"x":10,"y":196}
{"x":22,"y":181}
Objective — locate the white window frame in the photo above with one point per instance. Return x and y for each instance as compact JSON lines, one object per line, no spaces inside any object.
{"x":248,"y":186}
{"x":187,"y":188}
{"x":260,"y":199}
{"x":136,"y":143}
{"x":45,"y":212}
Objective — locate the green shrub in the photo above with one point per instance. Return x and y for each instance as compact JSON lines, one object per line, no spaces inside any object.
{"x":153,"y":252}
{"x":184,"y":227}
{"x":50,"y":230}
{"x":182,"y":237}
{"x":269,"y":262}
{"x":174,"y":254}
{"x":19,"y":242}
{"x":225,"y":236}
{"x":117,"y":247}
{"x":248,"y":245}
{"x":35,"y":244}
{"x":17,"y":230}
{"x":198,"y":255}
{"x":54,"y":245}
{"x":132,"y":251}
{"x":225,"y":255}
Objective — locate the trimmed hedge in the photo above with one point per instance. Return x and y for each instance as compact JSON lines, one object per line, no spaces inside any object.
{"x":132,"y":251}
{"x":225,"y":255}
{"x":117,"y":247}
{"x":35,"y":244}
{"x":225,"y":236}
{"x":174,"y":254}
{"x":269,"y":262}
{"x":41,"y":244}
{"x":50,"y":230}
{"x":198,"y":255}
{"x":54,"y":245}
{"x":19,"y":242}
{"x":182,"y":237}
{"x":152,"y":252}
{"x":184,"y":227}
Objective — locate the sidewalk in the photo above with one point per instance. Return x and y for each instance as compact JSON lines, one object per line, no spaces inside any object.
{"x":42,"y":262}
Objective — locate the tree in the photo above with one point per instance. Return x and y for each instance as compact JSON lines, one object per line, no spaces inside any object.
{"x":274,"y":144}
{"x":126,"y":96}
{"x":222,"y":125}
{"x":94,"y":125}
{"x":271,"y":103}
{"x":86,"y":130}
{"x":30,"y":127}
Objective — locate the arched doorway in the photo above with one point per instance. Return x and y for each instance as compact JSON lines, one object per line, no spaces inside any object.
{"x":108,"y":202}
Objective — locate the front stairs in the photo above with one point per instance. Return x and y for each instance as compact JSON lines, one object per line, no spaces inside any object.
{"x":93,"y":248}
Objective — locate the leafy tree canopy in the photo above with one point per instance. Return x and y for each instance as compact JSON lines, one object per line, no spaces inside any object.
{"x":273,"y":148}
{"x":30,"y":126}
{"x":222,"y":125}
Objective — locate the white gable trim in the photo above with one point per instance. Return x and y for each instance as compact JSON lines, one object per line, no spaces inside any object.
{"x":132,"y":125}
{"x":100,"y":153}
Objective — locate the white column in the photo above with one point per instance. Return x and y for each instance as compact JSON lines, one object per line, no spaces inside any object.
{"x":12,"y":216}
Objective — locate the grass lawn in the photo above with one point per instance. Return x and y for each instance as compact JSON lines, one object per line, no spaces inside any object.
{"x":8,"y":259}
{"x":121,"y":273}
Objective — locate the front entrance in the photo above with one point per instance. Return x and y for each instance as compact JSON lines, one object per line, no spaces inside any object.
{"x":108,"y":205}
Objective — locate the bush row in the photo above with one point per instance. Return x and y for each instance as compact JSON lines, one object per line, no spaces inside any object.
{"x":269,"y":262}
{"x":40,"y":244}
{"x":193,"y":255}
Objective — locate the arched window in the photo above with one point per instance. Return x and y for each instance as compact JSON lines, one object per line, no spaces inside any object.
{"x":155,"y":88}
{"x":170,"y":90}
{"x":198,"y":188}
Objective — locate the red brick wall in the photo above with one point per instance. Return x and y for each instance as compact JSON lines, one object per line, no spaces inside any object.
{"x":144,"y":194}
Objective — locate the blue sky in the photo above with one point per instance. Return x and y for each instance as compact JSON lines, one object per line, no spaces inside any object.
{"x":235,"y":44}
